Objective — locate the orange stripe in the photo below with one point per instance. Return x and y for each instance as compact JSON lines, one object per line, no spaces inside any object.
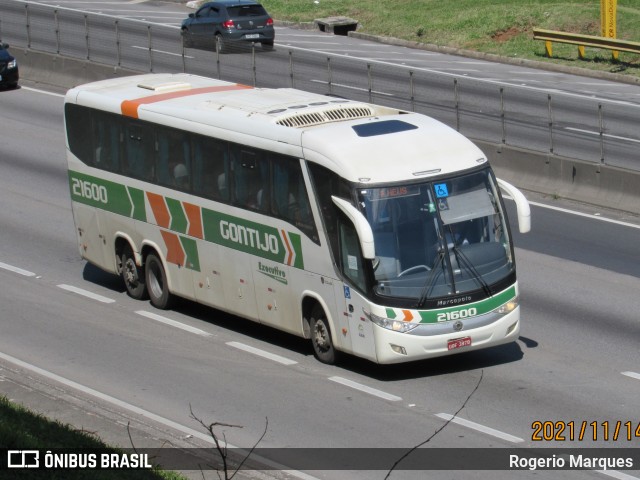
{"x":289,"y":249}
{"x":408,"y":316}
{"x":195,"y":221}
{"x":159,"y":208}
{"x":130,"y":107}
{"x":175,"y":253}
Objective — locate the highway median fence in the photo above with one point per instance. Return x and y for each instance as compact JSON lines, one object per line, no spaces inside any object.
{"x":556,"y":143}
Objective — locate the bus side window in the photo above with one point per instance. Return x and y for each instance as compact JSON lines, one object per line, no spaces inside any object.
{"x":138,"y":151}
{"x":250,"y":178}
{"x":211,"y":168}
{"x":106,"y":137}
{"x":173,"y":160}
{"x":79,"y":132}
{"x":290,"y":198}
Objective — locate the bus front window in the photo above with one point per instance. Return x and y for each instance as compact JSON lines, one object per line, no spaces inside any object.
{"x":438,"y":239}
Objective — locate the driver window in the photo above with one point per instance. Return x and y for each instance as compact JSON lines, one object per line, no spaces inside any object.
{"x":351,"y":261}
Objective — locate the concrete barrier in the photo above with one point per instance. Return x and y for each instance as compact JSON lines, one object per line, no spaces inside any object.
{"x":548,"y":174}
{"x":561,"y":177}
{"x":61,"y":71}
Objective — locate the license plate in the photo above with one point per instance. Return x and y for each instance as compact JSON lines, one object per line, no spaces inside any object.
{"x":459,"y":343}
{"x":252,"y":35}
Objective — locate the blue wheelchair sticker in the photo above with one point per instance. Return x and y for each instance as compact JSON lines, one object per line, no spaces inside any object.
{"x":347,"y":292}
{"x":441,"y":190}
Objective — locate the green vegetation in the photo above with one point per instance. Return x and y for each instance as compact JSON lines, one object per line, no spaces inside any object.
{"x":22,"y":429}
{"x":501,"y":27}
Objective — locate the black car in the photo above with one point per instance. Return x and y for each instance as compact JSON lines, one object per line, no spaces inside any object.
{"x":227,"y":21}
{"x":8,"y":68}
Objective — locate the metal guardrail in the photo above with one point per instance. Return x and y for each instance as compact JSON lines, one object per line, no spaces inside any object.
{"x":614,"y":44}
{"x":601,"y":132}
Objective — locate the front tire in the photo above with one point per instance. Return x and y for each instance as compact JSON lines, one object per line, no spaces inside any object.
{"x":157,"y":285}
{"x":323,"y":348}
{"x":132,"y":275}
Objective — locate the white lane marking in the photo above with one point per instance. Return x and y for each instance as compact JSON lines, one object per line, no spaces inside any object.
{"x":160,"y":51}
{"x":632,"y":375}
{"x":18,"y":270}
{"x":480,"y":428}
{"x":142,"y":412}
{"x":519,"y":72}
{"x":364,"y":388}
{"x":173,"y":323}
{"x":587,"y":215}
{"x":86,"y":293}
{"x":262,"y":353}
{"x":42,"y":91}
{"x":353,"y":88}
{"x":591,"y":132}
{"x":616,"y":474}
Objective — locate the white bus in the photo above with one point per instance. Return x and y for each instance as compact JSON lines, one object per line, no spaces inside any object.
{"x":368,"y":230}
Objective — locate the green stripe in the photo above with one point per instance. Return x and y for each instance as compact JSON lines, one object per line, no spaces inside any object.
{"x":483,"y":307}
{"x":178,"y":218}
{"x":250,"y":237}
{"x":191,"y":250}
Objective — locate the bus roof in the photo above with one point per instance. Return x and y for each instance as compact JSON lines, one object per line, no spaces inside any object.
{"x":362,"y":142}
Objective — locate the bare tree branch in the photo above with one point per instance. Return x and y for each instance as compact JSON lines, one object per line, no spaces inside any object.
{"x":266,"y":426}
{"x":221,"y":447}
{"x":464,"y":404}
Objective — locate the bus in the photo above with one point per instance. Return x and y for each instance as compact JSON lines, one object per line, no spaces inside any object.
{"x":368,"y":230}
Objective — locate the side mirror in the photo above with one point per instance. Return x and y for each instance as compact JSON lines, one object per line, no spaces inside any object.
{"x":5,"y":45}
{"x":522,"y":205}
{"x":192,"y":15}
{"x":363,"y":229}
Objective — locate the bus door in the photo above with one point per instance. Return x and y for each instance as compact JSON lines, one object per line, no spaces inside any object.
{"x":352,"y":261}
{"x":239,"y":289}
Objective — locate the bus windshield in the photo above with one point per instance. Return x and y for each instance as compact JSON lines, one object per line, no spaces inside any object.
{"x":437,"y":239}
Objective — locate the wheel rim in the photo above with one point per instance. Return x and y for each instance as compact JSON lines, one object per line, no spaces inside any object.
{"x":156,"y":285}
{"x":321,"y":336}
{"x":130,"y":273}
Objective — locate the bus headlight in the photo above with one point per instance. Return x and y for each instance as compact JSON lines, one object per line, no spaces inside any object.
{"x":508,"y":307}
{"x":395,"y":325}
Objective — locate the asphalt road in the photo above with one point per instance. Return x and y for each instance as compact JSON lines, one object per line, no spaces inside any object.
{"x":577,"y":357}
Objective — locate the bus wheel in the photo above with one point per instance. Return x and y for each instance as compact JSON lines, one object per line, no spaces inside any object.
{"x":321,"y":337}
{"x":132,"y":275}
{"x":157,"y":283}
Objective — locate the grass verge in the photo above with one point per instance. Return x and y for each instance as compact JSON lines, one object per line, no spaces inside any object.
{"x":501,"y":27}
{"x":21,"y":429}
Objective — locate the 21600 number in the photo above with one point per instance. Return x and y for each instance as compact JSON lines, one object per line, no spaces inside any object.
{"x":457,"y":314}
{"x":89,"y":190}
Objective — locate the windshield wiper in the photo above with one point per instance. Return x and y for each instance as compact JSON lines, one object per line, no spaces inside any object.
{"x":430,"y":282}
{"x":467,"y":265}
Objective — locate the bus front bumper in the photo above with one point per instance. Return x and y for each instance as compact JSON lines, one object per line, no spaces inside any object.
{"x":396,"y":347}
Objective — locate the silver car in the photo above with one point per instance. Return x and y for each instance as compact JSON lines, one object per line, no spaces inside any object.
{"x":228,"y":21}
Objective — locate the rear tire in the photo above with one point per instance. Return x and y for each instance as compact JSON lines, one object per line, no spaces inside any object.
{"x":132,"y":275}
{"x":323,"y":348}
{"x":157,"y":285}
{"x":267,"y":46}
